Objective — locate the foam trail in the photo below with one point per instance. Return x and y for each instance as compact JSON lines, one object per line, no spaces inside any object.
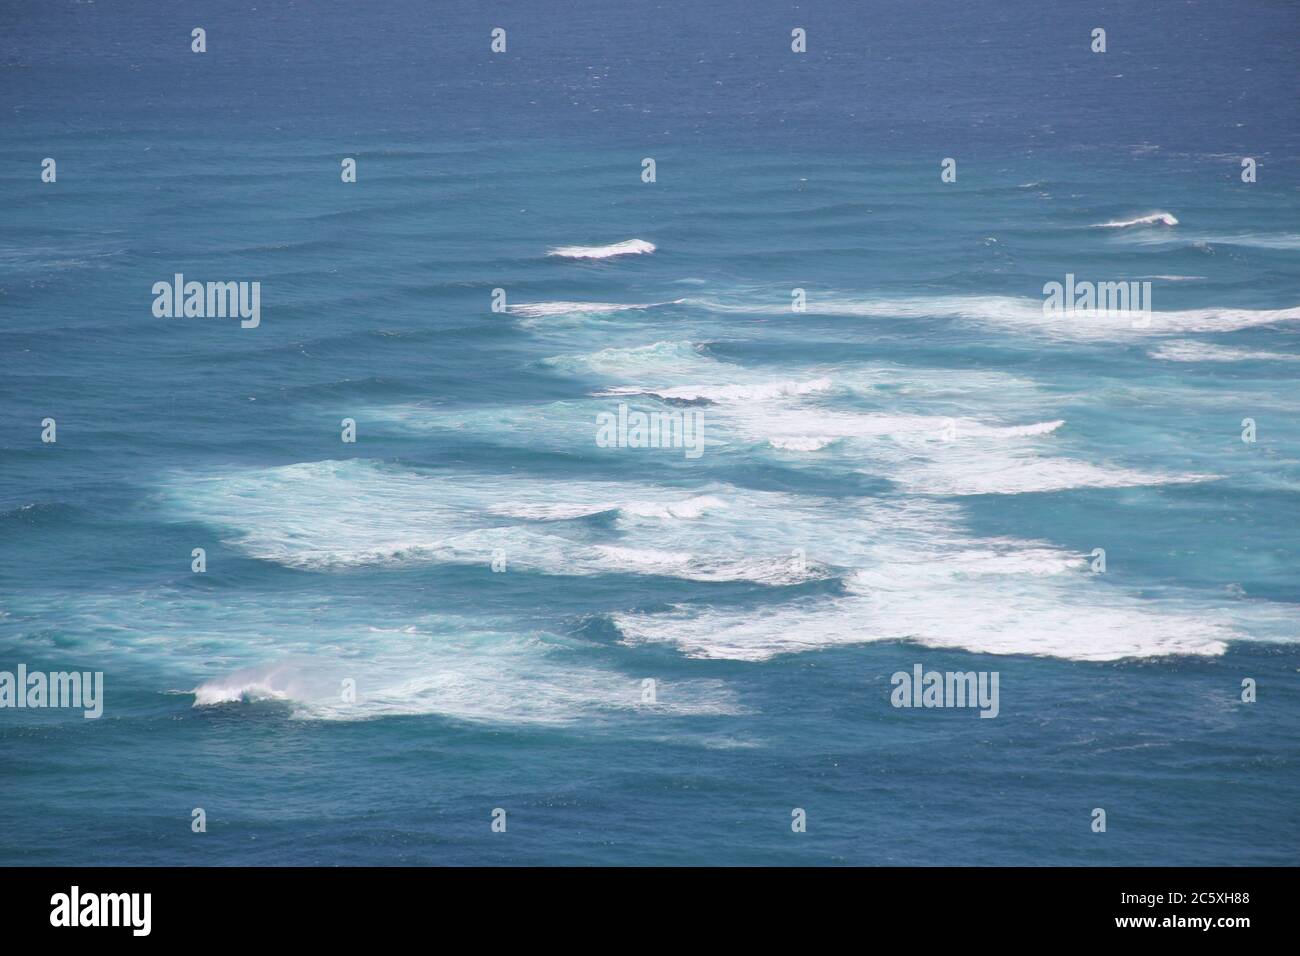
{"x":1026,"y":313}
{"x":541,"y":310}
{"x":1206,"y":241}
{"x":990,"y":472}
{"x":297,"y":651}
{"x":658,"y":359}
{"x":692,"y":507}
{"x":922,"y":453}
{"x":427,"y":669}
{"x":1184,"y":350}
{"x":1034,"y":606}
{"x":521,"y":691}
{"x":728,"y":393}
{"x":330,"y":516}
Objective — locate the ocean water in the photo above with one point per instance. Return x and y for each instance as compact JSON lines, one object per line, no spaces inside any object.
{"x":915,"y":469}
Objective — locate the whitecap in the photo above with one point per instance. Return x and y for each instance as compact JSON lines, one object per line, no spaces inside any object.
{"x":1160,"y":218}
{"x":628,"y":247}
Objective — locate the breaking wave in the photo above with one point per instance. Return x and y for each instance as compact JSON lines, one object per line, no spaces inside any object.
{"x":1150,"y":219}
{"x":628,"y":247}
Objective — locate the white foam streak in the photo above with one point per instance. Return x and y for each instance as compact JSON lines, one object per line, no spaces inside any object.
{"x":1027,"y":313}
{"x":1042,"y":603}
{"x":1150,"y":219}
{"x":542,"y":310}
{"x":738,"y":393}
{"x":1185,"y":350}
{"x":628,"y":247}
{"x":330,"y":516}
{"x":983,"y":472}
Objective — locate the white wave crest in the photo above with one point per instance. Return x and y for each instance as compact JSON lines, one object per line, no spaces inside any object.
{"x":276,"y":682}
{"x":1159,"y":218}
{"x":628,"y":247}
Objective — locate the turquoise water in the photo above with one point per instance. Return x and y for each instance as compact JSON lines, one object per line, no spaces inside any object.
{"x":916,"y":469}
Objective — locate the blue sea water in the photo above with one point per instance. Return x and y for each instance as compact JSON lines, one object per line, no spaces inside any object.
{"x":914,"y":470}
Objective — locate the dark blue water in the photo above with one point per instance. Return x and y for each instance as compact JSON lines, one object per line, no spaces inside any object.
{"x":915,"y":469}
